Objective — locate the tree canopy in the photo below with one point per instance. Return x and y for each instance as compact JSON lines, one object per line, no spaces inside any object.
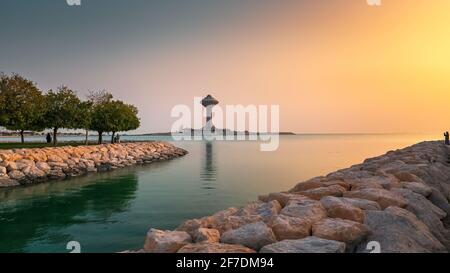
{"x":22,"y":104}
{"x":114,"y":116}
{"x":24,"y":107}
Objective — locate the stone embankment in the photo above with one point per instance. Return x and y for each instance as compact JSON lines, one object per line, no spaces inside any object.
{"x":30,"y":166}
{"x":398,"y":202}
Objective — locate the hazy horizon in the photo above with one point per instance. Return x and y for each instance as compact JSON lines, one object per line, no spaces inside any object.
{"x":332,"y":66}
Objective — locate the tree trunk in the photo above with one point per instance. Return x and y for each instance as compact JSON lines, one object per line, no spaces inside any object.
{"x":100,"y":137}
{"x":87,"y":137}
{"x":22,"y":138}
{"x":55,"y":133}
{"x":112,"y":137}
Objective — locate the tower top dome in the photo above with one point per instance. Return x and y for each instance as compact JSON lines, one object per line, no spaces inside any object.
{"x":209,"y":100}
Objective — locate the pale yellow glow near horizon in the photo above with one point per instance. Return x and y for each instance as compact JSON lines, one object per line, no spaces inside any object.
{"x":346,"y":68}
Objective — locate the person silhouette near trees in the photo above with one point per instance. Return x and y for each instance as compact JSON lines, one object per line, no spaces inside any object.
{"x":49,"y":138}
{"x":447,"y":138}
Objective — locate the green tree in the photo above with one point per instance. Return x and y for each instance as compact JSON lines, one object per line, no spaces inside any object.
{"x":22,"y":104}
{"x":83,"y":119}
{"x":125,"y":118}
{"x":114,"y":116}
{"x":62,"y":109}
{"x":97,"y":97}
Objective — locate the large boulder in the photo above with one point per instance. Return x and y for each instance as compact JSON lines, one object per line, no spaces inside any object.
{"x":346,"y":231}
{"x":254,"y":236}
{"x":214,"y":248}
{"x":54,"y":158}
{"x":383,"y":197}
{"x":7,"y":182}
{"x":377,"y":181}
{"x":367,"y":185}
{"x":207,"y":235}
{"x":439,"y":200}
{"x":56,"y":174}
{"x":399,"y":231}
{"x":308,"y":245}
{"x":43,"y":166}
{"x":363,"y":204}
{"x":338,"y":208}
{"x":418,"y":188}
{"x":223,"y":221}
{"x":404,"y":176}
{"x":283,"y":198}
{"x":313,"y":183}
{"x":428,"y":213}
{"x":305,"y":208}
{"x":17,"y":175}
{"x":34,"y":173}
{"x":266,"y":210}
{"x":318,"y":193}
{"x":286,"y":227}
{"x":159,"y":241}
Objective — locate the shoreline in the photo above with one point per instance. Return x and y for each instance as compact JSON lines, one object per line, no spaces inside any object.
{"x":19,"y":167}
{"x":394,"y":203}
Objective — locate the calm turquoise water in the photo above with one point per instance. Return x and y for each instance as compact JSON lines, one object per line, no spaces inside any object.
{"x":112,"y":212}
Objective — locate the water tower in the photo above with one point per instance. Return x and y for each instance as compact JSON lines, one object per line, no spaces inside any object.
{"x":209,"y":102}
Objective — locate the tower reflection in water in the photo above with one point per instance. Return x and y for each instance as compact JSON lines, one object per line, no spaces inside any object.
{"x":209,"y":172}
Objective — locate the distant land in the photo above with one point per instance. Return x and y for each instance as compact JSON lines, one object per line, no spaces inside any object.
{"x":170,"y":134}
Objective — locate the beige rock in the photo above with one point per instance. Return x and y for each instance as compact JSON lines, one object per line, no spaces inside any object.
{"x":318,"y":193}
{"x":363,"y":204}
{"x":254,"y":236}
{"x":399,"y":231}
{"x":34,"y":173}
{"x":338,"y":208}
{"x":307,"y":245}
{"x":417,"y":188}
{"x":7,"y":182}
{"x":159,"y":241}
{"x":282,"y":197}
{"x":3,"y":170}
{"x":266,"y":210}
{"x":26,"y":162}
{"x":308,"y":185}
{"x":308,"y":209}
{"x":16,"y":175}
{"x":43,"y":166}
{"x":407,"y":177}
{"x":54,"y":158}
{"x":428,"y":213}
{"x":207,"y":235}
{"x":222,"y":221}
{"x":215,"y":248}
{"x":366,"y":185}
{"x":56,"y":175}
{"x":344,"y":184}
{"x":341,"y":230}
{"x":286,"y":227}
{"x":60,"y":165}
{"x":13,"y":166}
{"x":383,"y":197}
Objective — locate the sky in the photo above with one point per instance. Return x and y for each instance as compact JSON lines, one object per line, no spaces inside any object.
{"x":333,"y":66}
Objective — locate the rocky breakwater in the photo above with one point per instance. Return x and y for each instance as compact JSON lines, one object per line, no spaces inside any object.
{"x":399,"y":200}
{"x":30,"y":166}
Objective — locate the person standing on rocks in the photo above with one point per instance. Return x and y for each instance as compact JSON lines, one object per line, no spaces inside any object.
{"x":447,"y":138}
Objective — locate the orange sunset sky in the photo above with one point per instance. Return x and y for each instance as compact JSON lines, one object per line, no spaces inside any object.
{"x":337,"y":66}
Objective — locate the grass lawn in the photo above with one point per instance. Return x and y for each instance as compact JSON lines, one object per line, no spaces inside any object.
{"x":7,"y":146}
